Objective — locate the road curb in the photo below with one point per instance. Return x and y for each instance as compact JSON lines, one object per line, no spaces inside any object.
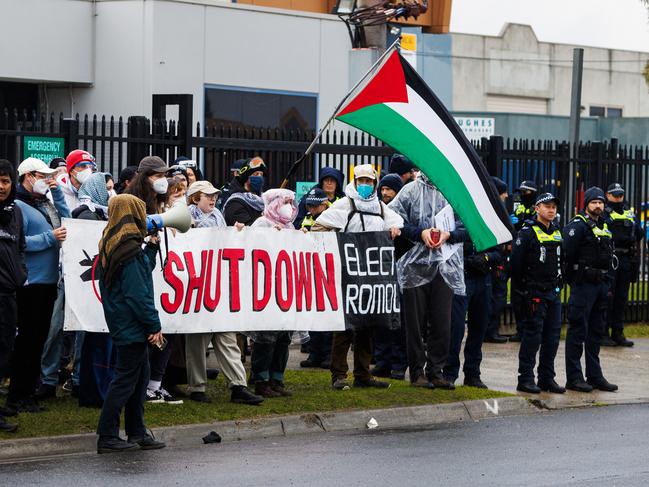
{"x":274,"y":426}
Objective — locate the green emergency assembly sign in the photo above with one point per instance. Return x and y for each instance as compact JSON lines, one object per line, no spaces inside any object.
{"x":43,"y":148}
{"x":302,"y":188}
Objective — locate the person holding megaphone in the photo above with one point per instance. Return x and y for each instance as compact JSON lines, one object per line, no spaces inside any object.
{"x":150,"y":185}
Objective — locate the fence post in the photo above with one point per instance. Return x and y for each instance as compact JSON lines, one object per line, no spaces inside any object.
{"x":598,"y":155}
{"x":135,"y":150}
{"x":70,"y":130}
{"x":495,"y":156}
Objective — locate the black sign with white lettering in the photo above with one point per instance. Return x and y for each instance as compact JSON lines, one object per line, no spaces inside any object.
{"x":369,"y":280}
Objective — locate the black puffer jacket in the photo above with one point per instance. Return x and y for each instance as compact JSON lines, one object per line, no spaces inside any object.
{"x":13,"y":272}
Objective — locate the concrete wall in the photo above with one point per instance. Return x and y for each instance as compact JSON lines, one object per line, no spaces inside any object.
{"x":161,"y":47}
{"x":484,"y":66}
{"x":47,"y":41}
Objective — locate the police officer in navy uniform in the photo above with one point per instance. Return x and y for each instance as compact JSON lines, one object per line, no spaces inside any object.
{"x":536,"y":271}
{"x":588,"y":253}
{"x":524,"y":211}
{"x":627,"y":235}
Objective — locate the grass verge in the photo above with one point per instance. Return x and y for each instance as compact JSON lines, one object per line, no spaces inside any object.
{"x":311,"y":393}
{"x":634,"y":330}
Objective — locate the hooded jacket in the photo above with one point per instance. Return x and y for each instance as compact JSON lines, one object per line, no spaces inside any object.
{"x":325,"y":172}
{"x":354,"y":214}
{"x":13,"y":272}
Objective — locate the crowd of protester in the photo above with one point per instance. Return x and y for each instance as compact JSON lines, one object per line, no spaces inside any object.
{"x":441,"y":299}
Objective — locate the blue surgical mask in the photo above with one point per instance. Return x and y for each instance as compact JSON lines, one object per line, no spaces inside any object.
{"x":365,"y":190}
{"x":256,"y":184}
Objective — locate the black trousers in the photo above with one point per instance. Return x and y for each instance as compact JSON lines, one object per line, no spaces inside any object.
{"x":35,"y":305}
{"x":127,"y":391}
{"x":619,"y":295}
{"x":428,"y":313}
{"x":8,"y":319}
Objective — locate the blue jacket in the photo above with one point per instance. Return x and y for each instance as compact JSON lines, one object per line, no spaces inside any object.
{"x":42,"y":249}
{"x":129,"y":303}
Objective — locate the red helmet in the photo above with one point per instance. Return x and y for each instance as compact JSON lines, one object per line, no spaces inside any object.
{"x":77,"y":156}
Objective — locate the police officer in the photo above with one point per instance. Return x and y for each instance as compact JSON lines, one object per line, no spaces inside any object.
{"x":588,"y":253}
{"x":524,"y":211}
{"x":627,"y":235}
{"x":499,"y":278}
{"x":536,"y":276}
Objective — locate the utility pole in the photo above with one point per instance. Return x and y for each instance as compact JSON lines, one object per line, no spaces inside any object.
{"x":575,"y":117}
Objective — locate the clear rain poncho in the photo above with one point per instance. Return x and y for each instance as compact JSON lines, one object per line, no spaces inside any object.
{"x":418,"y":203}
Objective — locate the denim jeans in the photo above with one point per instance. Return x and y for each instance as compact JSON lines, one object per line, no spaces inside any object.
{"x":268,"y":360}
{"x":53,"y":349}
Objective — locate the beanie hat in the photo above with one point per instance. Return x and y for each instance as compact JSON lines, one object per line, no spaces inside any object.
{"x":392,"y":181}
{"x":400,"y":164}
{"x":594,"y":193}
{"x":250,"y":166}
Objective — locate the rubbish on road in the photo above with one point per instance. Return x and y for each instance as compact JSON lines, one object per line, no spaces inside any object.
{"x":372,"y":423}
{"x":213,"y":437}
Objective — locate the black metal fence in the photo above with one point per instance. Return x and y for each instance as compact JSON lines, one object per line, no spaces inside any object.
{"x":116,"y":143}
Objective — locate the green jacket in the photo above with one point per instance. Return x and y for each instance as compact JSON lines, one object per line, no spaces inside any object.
{"x":129,"y":304}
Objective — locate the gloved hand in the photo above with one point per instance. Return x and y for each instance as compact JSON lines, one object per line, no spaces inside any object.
{"x":513,"y":219}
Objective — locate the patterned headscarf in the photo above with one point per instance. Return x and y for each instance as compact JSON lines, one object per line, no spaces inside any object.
{"x":123,"y":236}
{"x":94,"y":190}
{"x":274,"y":199}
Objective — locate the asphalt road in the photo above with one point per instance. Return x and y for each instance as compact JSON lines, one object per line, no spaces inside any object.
{"x":606,"y":446}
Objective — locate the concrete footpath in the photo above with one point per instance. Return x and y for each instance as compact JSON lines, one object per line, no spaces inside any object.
{"x":626,"y":367}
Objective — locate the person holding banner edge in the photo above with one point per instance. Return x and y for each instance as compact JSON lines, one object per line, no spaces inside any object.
{"x":359,"y":211}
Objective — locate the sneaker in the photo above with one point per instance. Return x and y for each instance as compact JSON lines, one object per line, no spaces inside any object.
{"x":168,"y":398}
{"x":242,"y":395}
{"x":67,"y":386}
{"x":265,"y":390}
{"x":199,"y":396}
{"x":147,"y":442}
{"x":153,"y":397}
{"x":371,"y":383}
{"x":45,"y":391}
{"x":108,"y":444}
{"x":340,"y":385}
{"x":278,"y":387}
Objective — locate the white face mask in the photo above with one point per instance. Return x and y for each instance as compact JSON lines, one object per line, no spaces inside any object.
{"x":286,"y":211}
{"x":40,"y":187}
{"x":161,"y":185}
{"x":112,"y":193}
{"x":83,"y":176}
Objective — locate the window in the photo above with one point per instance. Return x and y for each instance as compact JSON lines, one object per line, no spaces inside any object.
{"x":614,"y":112}
{"x":596,"y":111}
{"x":255,"y":108}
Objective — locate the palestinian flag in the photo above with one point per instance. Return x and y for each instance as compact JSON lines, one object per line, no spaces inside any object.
{"x":396,"y":106}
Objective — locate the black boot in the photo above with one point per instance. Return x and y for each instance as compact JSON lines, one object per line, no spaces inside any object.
{"x":147,"y":442}
{"x":579,"y":385}
{"x":45,"y":391}
{"x":551,"y":386}
{"x":602,"y":384}
{"x":620,"y":340}
{"x":7,"y":427}
{"x":528,"y":386}
{"x":496,"y":338}
{"x":607,"y":341}
{"x":241,"y":395}
{"x":515,"y":338}
{"x":110,"y":444}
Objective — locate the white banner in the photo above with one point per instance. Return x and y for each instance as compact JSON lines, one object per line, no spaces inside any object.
{"x":220,"y":280}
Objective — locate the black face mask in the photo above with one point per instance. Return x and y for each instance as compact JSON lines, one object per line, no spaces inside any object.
{"x":617,"y":207}
{"x":528,"y":199}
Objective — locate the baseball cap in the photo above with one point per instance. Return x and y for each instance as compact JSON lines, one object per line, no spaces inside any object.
{"x":78,"y":156}
{"x":31,"y":164}
{"x":615,"y":189}
{"x":364,"y":171}
{"x":546,"y":198}
{"x":202,"y":187}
